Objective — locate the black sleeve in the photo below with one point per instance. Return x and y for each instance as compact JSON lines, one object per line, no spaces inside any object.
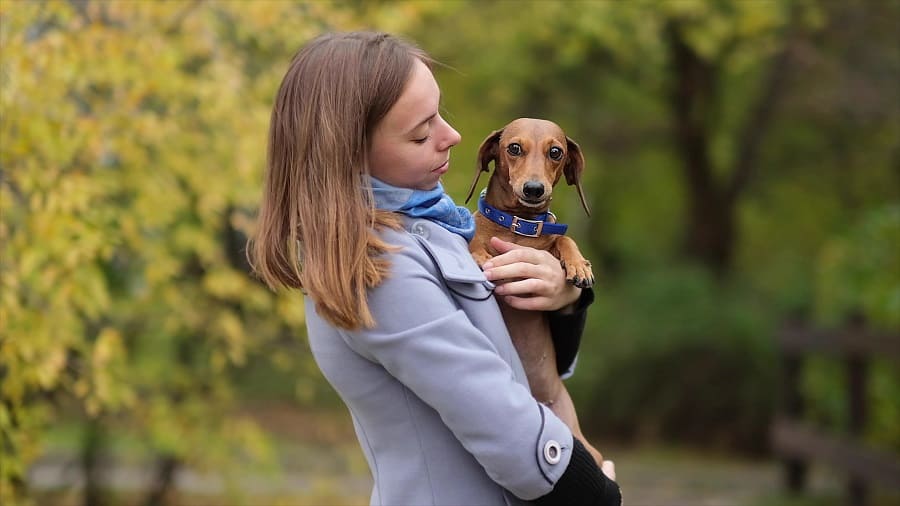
{"x":582,"y":483}
{"x":566,"y":330}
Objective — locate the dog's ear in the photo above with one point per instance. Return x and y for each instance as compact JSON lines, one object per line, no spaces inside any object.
{"x":487,"y":153}
{"x":573,"y":169}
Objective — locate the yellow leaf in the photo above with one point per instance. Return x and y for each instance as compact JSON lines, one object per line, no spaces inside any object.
{"x":107,"y":347}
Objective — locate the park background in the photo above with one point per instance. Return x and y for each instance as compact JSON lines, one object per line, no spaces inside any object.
{"x":743,"y":169}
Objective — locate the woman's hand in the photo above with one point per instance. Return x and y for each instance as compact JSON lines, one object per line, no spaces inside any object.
{"x":529,"y":278}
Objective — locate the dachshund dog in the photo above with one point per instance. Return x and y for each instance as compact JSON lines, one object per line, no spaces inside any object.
{"x":530,"y":156}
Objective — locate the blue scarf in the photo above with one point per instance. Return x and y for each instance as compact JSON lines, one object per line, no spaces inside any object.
{"x":434,"y":205}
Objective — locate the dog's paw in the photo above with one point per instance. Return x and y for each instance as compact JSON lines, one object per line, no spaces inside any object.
{"x":580,"y":274}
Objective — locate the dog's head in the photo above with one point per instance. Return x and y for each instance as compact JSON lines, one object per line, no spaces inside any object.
{"x":531,"y":155}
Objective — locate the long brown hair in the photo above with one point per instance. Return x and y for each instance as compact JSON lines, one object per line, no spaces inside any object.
{"x":316,"y":226}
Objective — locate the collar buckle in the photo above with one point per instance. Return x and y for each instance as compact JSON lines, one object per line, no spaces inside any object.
{"x":517,"y":224}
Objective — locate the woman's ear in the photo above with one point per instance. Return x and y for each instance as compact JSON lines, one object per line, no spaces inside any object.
{"x":487,"y":153}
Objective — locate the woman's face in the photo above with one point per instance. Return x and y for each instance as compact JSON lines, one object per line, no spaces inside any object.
{"x":411,"y":145}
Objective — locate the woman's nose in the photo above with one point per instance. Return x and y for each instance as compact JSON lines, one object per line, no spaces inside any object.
{"x":450,"y":137}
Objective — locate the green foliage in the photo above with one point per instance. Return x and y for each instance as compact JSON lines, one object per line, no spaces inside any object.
{"x":133,"y":148}
{"x":859,"y":271}
{"x":671,"y":354}
{"x":858,"y":274}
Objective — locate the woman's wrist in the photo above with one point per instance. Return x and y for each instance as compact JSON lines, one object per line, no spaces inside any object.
{"x":569,"y":299}
{"x":583,"y":482}
{"x":573,"y":299}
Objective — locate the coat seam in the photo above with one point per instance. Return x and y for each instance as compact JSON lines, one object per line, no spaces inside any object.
{"x":415,"y":423}
{"x":377,"y":477}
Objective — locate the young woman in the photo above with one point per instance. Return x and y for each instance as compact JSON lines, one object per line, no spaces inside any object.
{"x":401,"y":321}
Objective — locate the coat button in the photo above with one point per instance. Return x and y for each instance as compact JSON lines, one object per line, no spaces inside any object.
{"x":552,"y":452}
{"x":419,"y":229}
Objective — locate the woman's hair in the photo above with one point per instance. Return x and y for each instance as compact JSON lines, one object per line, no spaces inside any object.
{"x":317,"y":220}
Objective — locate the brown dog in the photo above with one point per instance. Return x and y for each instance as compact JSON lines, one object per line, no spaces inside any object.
{"x":530,"y":156}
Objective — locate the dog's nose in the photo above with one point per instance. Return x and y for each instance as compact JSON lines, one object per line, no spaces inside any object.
{"x":533,"y":189}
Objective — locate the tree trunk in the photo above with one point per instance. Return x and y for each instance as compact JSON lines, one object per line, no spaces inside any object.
{"x":711,"y":229}
{"x":166,"y":466}
{"x":709,"y":233}
{"x":91,"y":450}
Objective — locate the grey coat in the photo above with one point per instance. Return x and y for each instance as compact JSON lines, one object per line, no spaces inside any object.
{"x":437,"y":393}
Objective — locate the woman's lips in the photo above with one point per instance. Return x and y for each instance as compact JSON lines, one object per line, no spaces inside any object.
{"x":442,"y":168}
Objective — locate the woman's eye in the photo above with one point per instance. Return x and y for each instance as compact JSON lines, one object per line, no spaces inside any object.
{"x":421,"y":141}
{"x":514,"y":149}
{"x":555,"y":153}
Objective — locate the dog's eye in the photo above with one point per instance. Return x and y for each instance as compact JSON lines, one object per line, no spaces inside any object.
{"x":555,"y":153}
{"x":514,"y":149}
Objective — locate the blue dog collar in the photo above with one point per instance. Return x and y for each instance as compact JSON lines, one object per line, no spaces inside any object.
{"x":529,"y":228}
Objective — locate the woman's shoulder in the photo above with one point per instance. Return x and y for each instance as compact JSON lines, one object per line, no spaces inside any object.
{"x":423,"y":234}
{"x":439,"y":250}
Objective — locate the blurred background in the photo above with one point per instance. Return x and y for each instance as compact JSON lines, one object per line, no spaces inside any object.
{"x":743,"y":169}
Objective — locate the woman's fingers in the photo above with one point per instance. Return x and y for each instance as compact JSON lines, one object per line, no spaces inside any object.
{"x":511,"y":253}
{"x":515,"y":261}
{"x":528,"y":303}
{"x":528,"y":278}
{"x":519,"y":270}
{"x":609,"y":469}
{"x":501,"y":246}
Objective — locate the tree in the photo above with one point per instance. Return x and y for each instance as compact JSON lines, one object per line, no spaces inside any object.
{"x":133,"y":144}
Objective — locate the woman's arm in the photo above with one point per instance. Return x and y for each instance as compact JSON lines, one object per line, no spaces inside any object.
{"x":582,"y":483}
{"x":566,"y":329}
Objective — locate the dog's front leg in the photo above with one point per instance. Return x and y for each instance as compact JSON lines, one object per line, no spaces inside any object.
{"x":480,"y":250}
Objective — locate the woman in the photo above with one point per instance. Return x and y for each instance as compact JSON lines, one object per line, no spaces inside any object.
{"x":401,"y":321}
